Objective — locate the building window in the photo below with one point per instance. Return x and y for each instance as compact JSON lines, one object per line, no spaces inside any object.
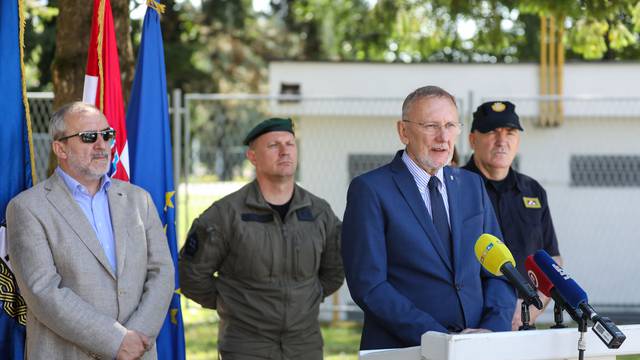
{"x":361,"y":163}
{"x":290,"y":89}
{"x":605,"y":170}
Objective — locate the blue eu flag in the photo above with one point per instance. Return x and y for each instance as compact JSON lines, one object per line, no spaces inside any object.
{"x":15,"y":166}
{"x":150,"y":158}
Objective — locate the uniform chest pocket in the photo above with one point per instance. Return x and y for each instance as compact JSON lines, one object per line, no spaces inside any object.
{"x":530,"y":216}
{"x":528,"y":230}
{"x":307,"y":250}
{"x":255,"y":250}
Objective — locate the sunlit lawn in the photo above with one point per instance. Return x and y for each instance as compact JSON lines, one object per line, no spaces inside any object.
{"x":201,"y":336}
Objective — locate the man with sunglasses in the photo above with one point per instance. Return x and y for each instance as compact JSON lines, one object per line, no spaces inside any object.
{"x":89,"y":253}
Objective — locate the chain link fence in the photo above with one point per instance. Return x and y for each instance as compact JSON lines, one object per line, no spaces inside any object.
{"x":41,"y":108}
{"x":583,"y":150}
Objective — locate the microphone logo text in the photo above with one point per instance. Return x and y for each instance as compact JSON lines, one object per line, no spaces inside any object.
{"x":561,"y":272}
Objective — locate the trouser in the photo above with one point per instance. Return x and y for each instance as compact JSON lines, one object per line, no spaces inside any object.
{"x":310,"y":355}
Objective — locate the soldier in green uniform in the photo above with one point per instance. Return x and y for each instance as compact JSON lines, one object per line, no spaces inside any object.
{"x":265,"y":256}
{"x":519,"y":201}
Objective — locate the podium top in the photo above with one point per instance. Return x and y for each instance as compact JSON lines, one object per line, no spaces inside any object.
{"x":552,"y":344}
{"x":548,"y":344}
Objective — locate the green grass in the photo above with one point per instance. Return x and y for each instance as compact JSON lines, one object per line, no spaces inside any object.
{"x":341,"y":341}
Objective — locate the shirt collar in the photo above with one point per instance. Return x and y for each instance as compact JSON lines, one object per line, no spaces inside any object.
{"x":75,"y":187}
{"x":420,"y":176}
{"x":511,"y":180}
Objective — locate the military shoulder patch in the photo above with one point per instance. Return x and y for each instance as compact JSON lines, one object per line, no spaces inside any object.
{"x":191,"y":245}
{"x":531,"y":202}
{"x":304,"y":214}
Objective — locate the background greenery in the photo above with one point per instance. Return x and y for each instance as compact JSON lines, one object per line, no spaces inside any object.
{"x":225,"y":46}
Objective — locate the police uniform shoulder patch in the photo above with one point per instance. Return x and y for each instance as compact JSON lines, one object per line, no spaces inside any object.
{"x":531,"y":202}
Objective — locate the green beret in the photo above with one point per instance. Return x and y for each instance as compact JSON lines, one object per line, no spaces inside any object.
{"x":269,"y":125}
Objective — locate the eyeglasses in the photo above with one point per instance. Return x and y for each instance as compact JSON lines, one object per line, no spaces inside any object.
{"x":89,"y":137}
{"x":433,"y":128}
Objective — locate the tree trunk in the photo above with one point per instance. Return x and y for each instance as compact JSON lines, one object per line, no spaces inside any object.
{"x":72,"y":43}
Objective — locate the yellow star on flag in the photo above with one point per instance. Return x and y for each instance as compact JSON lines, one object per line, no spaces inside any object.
{"x":168,"y":203}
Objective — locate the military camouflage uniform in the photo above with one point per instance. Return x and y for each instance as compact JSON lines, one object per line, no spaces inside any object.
{"x":271,"y":275}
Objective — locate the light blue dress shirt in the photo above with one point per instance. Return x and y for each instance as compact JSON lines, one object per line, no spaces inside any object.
{"x":421,"y":178}
{"x":96,"y":209}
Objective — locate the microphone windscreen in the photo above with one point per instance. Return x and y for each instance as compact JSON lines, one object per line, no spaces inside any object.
{"x":493,"y":253}
{"x":570,"y":291}
{"x":537,"y":276}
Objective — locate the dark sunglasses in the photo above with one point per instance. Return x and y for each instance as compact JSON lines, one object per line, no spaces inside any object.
{"x":89,"y":137}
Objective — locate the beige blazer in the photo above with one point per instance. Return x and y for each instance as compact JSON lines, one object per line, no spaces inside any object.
{"x":77,"y":307}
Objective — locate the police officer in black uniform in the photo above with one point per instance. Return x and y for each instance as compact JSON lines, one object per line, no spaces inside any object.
{"x":520,"y":202}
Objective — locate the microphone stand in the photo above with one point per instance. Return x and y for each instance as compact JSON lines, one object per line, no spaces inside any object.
{"x":526,"y":317}
{"x":558,"y":318}
{"x":582,"y":343}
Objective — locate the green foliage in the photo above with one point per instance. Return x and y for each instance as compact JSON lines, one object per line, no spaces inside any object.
{"x":225,"y":45}
{"x":39,"y":43}
{"x":588,"y":38}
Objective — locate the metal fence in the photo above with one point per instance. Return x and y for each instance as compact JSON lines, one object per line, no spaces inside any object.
{"x":583,"y":150}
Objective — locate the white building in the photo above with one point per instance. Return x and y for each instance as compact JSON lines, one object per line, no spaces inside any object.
{"x":589,"y":164}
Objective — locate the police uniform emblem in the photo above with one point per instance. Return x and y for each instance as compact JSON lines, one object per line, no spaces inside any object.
{"x":498,"y":106}
{"x":531,"y":202}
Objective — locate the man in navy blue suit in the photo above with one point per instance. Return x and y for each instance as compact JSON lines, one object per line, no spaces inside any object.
{"x":409,"y":232}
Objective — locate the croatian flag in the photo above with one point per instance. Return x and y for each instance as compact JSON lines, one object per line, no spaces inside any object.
{"x":102,"y":86}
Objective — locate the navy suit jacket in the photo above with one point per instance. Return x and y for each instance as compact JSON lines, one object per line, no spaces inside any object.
{"x":396,"y":267}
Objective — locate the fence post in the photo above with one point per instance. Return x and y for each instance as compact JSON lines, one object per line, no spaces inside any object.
{"x":186,"y":159}
{"x":177,"y":145}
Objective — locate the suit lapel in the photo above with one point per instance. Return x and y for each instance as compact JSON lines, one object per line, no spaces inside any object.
{"x":118,"y":209}
{"x":62,"y":200}
{"x":453,"y":195}
{"x":407,"y":187}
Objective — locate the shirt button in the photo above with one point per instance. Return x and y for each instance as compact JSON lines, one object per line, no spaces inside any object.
{"x":458,"y":287}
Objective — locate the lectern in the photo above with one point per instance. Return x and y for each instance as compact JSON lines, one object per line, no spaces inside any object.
{"x":552,"y":344}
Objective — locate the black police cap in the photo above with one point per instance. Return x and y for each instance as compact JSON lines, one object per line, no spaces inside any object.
{"x":269,"y":125}
{"x":495,"y":114}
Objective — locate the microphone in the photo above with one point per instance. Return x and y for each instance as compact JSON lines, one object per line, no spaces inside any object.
{"x":496,"y":258}
{"x":577,"y":299}
{"x":542,"y":283}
